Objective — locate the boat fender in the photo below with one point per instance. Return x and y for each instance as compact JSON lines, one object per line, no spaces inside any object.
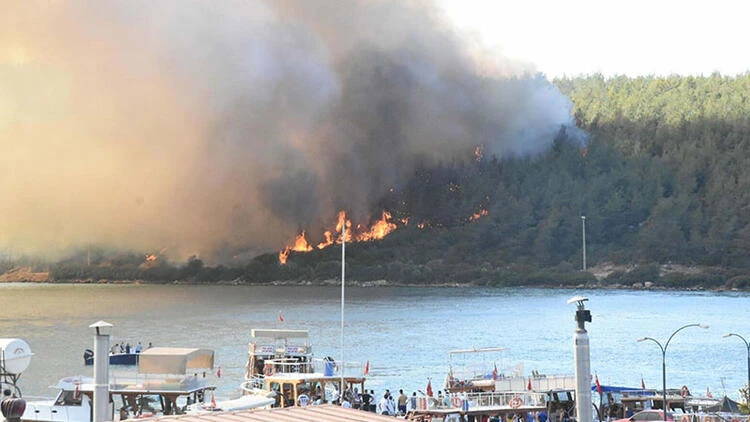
{"x":268,"y":370}
{"x":456,"y":401}
{"x":684,"y":392}
{"x":516,"y":402}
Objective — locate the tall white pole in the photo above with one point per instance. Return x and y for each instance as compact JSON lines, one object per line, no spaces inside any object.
{"x":101,"y":371}
{"x":583,"y":227}
{"x":343,"y":287}
{"x":583,"y":362}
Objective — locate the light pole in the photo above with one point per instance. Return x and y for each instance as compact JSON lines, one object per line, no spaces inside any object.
{"x":747,"y":392}
{"x":664,"y":361}
{"x":583,"y":229}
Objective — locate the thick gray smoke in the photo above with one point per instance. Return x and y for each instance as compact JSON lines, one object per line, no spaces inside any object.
{"x":199,"y":125}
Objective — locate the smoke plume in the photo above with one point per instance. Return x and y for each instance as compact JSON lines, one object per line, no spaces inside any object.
{"x":201,"y":126}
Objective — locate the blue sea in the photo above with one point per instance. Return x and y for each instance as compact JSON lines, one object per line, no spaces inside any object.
{"x":404,"y":332}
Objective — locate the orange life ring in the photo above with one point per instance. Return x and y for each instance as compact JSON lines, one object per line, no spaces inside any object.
{"x":456,"y":401}
{"x":516,"y":402}
{"x":268,"y":370}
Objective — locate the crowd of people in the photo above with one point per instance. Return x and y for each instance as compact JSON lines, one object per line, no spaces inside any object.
{"x":127,"y":348}
{"x":367,"y":400}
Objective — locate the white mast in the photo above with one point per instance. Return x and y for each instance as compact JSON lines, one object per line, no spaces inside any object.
{"x":343,"y":287}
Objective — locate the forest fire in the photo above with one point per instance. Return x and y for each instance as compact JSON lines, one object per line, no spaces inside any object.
{"x":378,"y":230}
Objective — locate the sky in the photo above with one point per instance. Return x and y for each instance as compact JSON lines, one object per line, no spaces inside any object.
{"x":637,"y":37}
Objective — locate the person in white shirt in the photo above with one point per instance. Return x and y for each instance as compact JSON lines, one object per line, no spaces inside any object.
{"x":303,"y":400}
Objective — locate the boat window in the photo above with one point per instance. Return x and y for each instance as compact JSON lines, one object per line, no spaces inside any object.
{"x":68,"y":398}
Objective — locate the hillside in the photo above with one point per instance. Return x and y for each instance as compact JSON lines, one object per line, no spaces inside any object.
{"x":663,"y":180}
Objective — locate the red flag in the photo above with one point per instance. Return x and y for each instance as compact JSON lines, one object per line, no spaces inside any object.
{"x":213,"y":400}
{"x":281,"y":318}
{"x":708,"y":393}
{"x":429,"y":388}
{"x":218,"y":372}
{"x":598,"y":386}
{"x":494,"y":373}
{"x":528,"y":386}
{"x":367,"y":368}
{"x":643,"y":384}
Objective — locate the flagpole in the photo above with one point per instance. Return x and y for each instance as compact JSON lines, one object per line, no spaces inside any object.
{"x":343,"y":287}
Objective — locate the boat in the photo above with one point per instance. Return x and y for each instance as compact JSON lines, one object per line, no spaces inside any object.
{"x":282,"y":362}
{"x":245,"y":402}
{"x":118,"y":355}
{"x":173,"y":378}
{"x":477,"y":389}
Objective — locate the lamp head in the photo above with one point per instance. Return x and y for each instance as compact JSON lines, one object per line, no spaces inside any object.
{"x":641,"y":339}
{"x":704,"y":326}
{"x":727,"y":335}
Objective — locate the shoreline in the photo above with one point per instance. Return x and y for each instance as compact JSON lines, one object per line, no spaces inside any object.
{"x":647,"y":286}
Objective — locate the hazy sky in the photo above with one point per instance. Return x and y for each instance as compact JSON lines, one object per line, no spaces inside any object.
{"x":636,"y":37}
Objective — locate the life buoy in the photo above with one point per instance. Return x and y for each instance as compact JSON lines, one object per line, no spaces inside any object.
{"x":684,"y":392}
{"x":456,"y":401}
{"x":516,"y":402}
{"x":268,"y":370}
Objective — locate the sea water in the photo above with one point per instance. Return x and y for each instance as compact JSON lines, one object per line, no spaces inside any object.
{"x":404,"y":332}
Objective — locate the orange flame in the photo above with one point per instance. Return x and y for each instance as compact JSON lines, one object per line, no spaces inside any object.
{"x":301,"y":244}
{"x":478,"y":215}
{"x":379,"y":229}
{"x":329,"y":240}
{"x":478,"y":153}
{"x":284,"y":255}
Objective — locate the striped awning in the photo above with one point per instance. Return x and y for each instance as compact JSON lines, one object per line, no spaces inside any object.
{"x":322,"y":413}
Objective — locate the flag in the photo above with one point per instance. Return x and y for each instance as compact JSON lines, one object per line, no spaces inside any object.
{"x":367,"y":368}
{"x":708,"y":393}
{"x":429,"y":388}
{"x":643,"y":384}
{"x":281,"y":318}
{"x":494,"y":373}
{"x":218,"y":372}
{"x":528,"y":386}
{"x":213,"y":400}
{"x":598,"y":386}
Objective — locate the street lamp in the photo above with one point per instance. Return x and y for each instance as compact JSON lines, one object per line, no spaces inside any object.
{"x":747,"y":392}
{"x":101,"y":370}
{"x":664,"y":361}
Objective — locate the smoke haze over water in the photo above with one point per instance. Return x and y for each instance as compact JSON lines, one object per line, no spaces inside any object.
{"x":197,"y":125}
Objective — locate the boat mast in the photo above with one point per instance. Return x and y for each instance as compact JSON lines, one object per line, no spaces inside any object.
{"x":343,"y":287}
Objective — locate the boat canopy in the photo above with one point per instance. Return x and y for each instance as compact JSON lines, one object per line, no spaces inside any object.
{"x":617,"y":389}
{"x":278,"y":334}
{"x":174,"y":360}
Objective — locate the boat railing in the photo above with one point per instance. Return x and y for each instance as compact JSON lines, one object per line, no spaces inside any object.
{"x":158,"y":382}
{"x":326,"y":366}
{"x":545,"y":383}
{"x":509,"y":400}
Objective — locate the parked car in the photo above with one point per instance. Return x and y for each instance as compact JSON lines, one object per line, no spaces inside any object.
{"x":648,"y":416}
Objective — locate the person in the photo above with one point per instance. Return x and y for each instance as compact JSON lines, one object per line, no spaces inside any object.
{"x":346,"y":403}
{"x":413,"y":400}
{"x":402,"y":399}
{"x":122,"y":347}
{"x":335,"y":396}
{"x":127,"y":348}
{"x":391,"y":405}
{"x":303,"y":399}
{"x":318,"y":401}
{"x":366,"y":399}
{"x":384,"y":406}
{"x":542,"y":416}
{"x":356,"y":399}
{"x":150,"y":345}
{"x":372,"y":401}
{"x":115,"y":348}
{"x":138,"y":347}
